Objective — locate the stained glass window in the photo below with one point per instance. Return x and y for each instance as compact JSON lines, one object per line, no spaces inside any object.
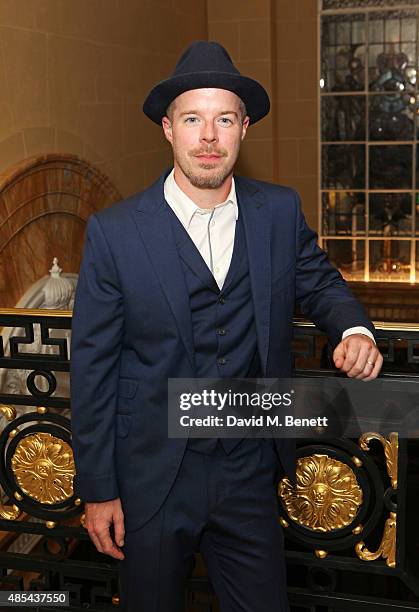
{"x":369,"y":115}
{"x":358,"y":4}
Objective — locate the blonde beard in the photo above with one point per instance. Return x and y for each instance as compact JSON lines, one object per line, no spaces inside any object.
{"x":205,"y":181}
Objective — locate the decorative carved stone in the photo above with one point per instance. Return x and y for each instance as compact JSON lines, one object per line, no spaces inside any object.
{"x":44,"y":204}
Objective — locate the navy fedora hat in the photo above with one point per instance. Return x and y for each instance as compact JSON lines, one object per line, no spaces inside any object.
{"x":206,"y":64}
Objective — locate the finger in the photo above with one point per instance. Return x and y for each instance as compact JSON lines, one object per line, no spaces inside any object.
{"x":115,"y":552}
{"x":104,"y":537}
{"x":369,"y":364}
{"x":376,"y":369}
{"x":119,"y":529}
{"x":96,"y":542}
{"x":359,"y":365}
{"x":365,"y":363}
{"x":339,"y":355}
{"x":90,"y":526}
{"x":350,"y":360}
{"x":108,"y":545}
{"x":372,"y":370}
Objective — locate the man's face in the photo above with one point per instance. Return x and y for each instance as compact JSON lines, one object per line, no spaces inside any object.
{"x":205,"y":130}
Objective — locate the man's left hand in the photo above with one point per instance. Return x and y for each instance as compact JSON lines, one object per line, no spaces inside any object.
{"x":358,"y":356}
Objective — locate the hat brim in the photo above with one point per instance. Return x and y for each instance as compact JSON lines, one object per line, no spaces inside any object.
{"x":250,"y":91}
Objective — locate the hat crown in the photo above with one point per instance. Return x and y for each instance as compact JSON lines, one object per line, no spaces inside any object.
{"x":204,"y":56}
{"x":206,"y":64}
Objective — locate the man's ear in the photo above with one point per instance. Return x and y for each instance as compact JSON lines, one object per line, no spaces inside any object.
{"x":245,"y":125}
{"x":167,"y":128}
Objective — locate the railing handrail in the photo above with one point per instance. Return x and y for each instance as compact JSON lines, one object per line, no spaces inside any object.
{"x":35,"y":312}
{"x":297,"y":322}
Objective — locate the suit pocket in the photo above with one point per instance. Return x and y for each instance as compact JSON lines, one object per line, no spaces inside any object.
{"x":127,"y":387}
{"x":123,"y":425}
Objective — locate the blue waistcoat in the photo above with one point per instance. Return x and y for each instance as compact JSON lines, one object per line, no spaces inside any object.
{"x":223,"y":322}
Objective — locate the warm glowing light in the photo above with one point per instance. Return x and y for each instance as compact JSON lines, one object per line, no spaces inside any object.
{"x":411,"y":75}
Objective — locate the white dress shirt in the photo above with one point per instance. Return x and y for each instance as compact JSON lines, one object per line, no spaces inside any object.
{"x":212,"y":230}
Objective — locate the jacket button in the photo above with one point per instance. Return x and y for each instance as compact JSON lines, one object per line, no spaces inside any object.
{"x":221,"y":300}
{"x":221,"y":331}
{"x":222,"y":361}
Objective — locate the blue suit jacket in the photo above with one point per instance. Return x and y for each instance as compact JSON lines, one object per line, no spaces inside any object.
{"x":132,"y":331}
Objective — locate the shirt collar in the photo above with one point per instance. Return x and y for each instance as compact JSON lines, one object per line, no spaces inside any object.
{"x":184,"y":207}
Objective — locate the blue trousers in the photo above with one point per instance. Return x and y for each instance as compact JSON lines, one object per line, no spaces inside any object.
{"x":225,"y":507}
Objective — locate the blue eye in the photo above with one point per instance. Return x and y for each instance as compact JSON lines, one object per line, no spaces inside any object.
{"x":191,"y":119}
{"x":225,"y":120}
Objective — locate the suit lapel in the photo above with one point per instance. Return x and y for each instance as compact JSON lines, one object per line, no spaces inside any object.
{"x":257,"y":225}
{"x":155,"y":228}
{"x":190,"y":253}
{"x":237,"y":255}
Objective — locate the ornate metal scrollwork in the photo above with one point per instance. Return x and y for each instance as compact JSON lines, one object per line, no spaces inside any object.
{"x":391,"y":452}
{"x":10,"y":513}
{"x":387,"y":547}
{"x":43,"y":466}
{"x":8,"y":411}
{"x":327,"y":496}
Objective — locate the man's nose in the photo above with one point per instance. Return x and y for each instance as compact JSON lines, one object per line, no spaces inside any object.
{"x":209,"y":132}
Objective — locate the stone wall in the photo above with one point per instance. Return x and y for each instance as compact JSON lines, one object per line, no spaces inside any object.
{"x":74,"y":73}
{"x":275,"y":42}
{"x":296,"y":100}
{"x":246,"y":30}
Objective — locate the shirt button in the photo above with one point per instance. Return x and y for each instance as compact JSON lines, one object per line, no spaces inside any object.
{"x":222,"y":361}
{"x":221,"y":331}
{"x":217,"y":269}
{"x":221,"y":300}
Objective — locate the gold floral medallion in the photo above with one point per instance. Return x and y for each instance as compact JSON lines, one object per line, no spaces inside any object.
{"x":43,"y":466}
{"x":327,"y":495}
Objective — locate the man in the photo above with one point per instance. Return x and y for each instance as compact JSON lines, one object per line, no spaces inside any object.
{"x":196,"y":277}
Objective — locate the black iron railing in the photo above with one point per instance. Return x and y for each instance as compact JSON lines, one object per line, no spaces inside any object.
{"x":351,"y":522}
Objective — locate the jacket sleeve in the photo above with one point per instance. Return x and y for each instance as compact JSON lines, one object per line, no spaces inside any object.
{"x":95,"y":354}
{"x":323,"y":294}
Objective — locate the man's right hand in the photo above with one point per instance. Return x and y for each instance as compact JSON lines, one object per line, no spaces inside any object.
{"x":99,"y":517}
